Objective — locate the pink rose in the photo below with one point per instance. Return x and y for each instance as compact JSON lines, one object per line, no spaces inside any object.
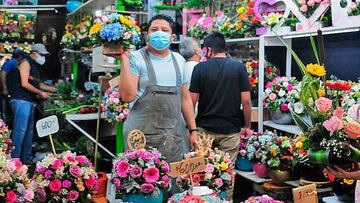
{"x":82,"y":159}
{"x":311,"y":3}
{"x":352,"y":130}
{"x":339,"y":112}
{"x":116,"y":182}
{"x":73,"y":195}
{"x":284,"y":107}
{"x":55,"y":185}
{"x":29,"y":195}
{"x":302,"y":2}
{"x":10,"y":166}
{"x":243,"y":152}
{"x":66,"y":184}
{"x":148,"y":156}
{"x":219,"y":13}
{"x":304,"y":8}
{"x":10,"y":197}
{"x":209,"y":168}
{"x":57,"y":164}
{"x":333,"y":124}
{"x":127,"y":35}
{"x":318,"y":1}
{"x":165,"y":166}
{"x":75,"y":171}
{"x":354,"y":112}
{"x":41,"y":194}
{"x":323,"y":104}
{"x":219,"y":182}
{"x":147,"y":188}
{"x":166,"y":181}
{"x":126,"y":112}
{"x":272,"y":96}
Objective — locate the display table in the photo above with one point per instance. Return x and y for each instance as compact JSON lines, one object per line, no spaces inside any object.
{"x":331,"y":199}
{"x":71,"y":118}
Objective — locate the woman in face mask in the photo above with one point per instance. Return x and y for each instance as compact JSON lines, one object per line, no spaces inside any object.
{"x":154,"y":80}
{"x":24,"y":87}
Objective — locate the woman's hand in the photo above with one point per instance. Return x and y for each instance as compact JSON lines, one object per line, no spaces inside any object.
{"x":341,"y":173}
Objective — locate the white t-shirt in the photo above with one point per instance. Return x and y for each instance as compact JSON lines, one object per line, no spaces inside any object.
{"x":189,"y":67}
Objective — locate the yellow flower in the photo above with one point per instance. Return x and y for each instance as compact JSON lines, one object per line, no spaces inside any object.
{"x":95,"y":28}
{"x":125,"y":21}
{"x":240,"y":10}
{"x":299,"y":145}
{"x":224,"y":166}
{"x":316,"y":70}
{"x":68,"y":27}
{"x":137,"y":28}
{"x":273,"y":151}
{"x":321,"y":93}
{"x":348,"y":181}
{"x":239,"y":26}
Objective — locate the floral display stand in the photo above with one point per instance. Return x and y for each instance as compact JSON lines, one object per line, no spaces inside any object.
{"x":192,"y":14}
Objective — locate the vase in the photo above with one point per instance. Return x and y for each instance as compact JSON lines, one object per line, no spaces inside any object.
{"x":102,"y":181}
{"x":72,"y":5}
{"x":343,"y":191}
{"x":279,"y":177}
{"x":223,"y":195}
{"x":112,"y":49}
{"x":142,"y":198}
{"x":261,"y":170}
{"x":243,"y":163}
{"x":281,"y":118}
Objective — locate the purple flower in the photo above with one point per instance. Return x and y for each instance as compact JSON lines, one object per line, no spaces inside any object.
{"x":75,"y":171}
{"x":48,"y":174}
{"x":66,"y":184}
{"x":148,"y":156}
{"x":40,"y":169}
{"x":136,"y":172}
{"x":147,"y":188}
{"x":132,"y":156}
{"x":117,"y":183}
{"x":73,"y":195}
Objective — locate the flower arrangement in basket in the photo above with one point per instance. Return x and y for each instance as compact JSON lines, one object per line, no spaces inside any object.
{"x":262,"y":199}
{"x":218,"y":175}
{"x":252,"y":67}
{"x":190,"y":197}
{"x":5,"y":140}
{"x":113,"y":106}
{"x":14,"y":182}
{"x":66,"y":177}
{"x":280,"y":93}
{"x":198,"y":28}
{"x":116,"y":32}
{"x":140,"y":172}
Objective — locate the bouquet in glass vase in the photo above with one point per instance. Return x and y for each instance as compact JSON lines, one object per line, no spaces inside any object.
{"x":66,"y":177}
{"x":113,"y":106}
{"x":116,"y":32}
{"x":14,"y":183}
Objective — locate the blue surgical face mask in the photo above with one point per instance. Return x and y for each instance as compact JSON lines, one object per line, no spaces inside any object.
{"x":40,"y":60}
{"x":160,"y":40}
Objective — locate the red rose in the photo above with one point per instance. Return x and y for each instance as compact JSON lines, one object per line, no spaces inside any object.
{"x":255,"y":65}
{"x":250,"y":11}
{"x":278,"y":87}
{"x":55,"y":185}
{"x":251,"y":4}
{"x":10,"y":197}
{"x":269,"y":70}
{"x":254,"y":20}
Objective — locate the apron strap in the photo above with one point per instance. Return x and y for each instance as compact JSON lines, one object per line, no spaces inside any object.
{"x":151,"y":71}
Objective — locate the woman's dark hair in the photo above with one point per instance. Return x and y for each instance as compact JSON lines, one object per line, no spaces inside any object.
{"x":162,"y":17}
{"x":216,"y":41}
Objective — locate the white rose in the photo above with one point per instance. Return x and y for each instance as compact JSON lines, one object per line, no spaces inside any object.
{"x":281,"y":93}
{"x":298,"y":108}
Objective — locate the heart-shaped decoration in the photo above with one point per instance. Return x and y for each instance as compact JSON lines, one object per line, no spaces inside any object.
{"x":340,"y":17}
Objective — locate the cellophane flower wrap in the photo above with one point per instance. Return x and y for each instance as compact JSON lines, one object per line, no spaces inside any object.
{"x":66,"y":177}
{"x":218,"y":175}
{"x":258,"y":146}
{"x":116,"y":28}
{"x":15,"y":185}
{"x":280,"y":93}
{"x":140,"y":171}
{"x":187,"y":196}
{"x":5,"y":140}
{"x":262,"y":199}
{"x":113,"y":106}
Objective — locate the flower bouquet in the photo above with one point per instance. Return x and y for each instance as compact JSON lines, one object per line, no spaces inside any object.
{"x":242,"y":162}
{"x":113,"y":106}
{"x":66,"y":177}
{"x":308,"y":7}
{"x":198,"y":28}
{"x":246,"y":21}
{"x":118,"y":32}
{"x":262,"y":199}
{"x":5,"y":140}
{"x":252,"y":67}
{"x":83,"y":28}
{"x":187,"y":196}
{"x":218,"y":175}
{"x":14,"y":182}
{"x":68,"y":40}
{"x":354,"y":9}
{"x":28,"y":32}
{"x":141,"y":174}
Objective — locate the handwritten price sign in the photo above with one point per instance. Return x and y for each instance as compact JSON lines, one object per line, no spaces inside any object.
{"x":194,"y":165}
{"x":306,"y":194}
{"x":47,"y":126}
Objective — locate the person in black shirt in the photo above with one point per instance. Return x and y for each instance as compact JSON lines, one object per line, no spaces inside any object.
{"x":221,"y":85}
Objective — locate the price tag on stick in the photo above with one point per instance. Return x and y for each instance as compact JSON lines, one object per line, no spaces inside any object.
{"x":305,"y":194}
{"x":46,"y":127}
{"x":188,"y":167}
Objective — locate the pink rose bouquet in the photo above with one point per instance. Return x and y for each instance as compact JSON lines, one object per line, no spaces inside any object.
{"x":14,"y":182}
{"x":218,"y":174}
{"x":66,"y":177}
{"x":187,"y":196}
{"x":115,"y":108}
{"x":140,"y":171}
{"x":5,"y":140}
{"x":262,"y":199}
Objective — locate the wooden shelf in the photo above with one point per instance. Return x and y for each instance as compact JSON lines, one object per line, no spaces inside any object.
{"x":92,"y":5}
{"x":293,"y":129}
{"x":252,"y":176}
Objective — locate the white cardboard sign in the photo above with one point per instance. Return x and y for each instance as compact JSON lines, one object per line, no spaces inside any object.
{"x":47,"y":126}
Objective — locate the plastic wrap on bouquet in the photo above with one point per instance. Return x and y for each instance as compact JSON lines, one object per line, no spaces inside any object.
{"x":325,"y":157}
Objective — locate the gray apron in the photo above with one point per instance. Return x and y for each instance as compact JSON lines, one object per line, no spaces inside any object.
{"x":157,"y":113}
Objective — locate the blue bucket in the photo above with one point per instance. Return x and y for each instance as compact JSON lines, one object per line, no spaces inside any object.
{"x":142,"y":198}
{"x":72,"y":5}
{"x":243,"y":164}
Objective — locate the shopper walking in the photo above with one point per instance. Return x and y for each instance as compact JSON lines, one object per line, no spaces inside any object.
{"x":221,"y":86}
{"x":190,"y":50}
{"x":24,"y":87}
{"x":153,"y":79}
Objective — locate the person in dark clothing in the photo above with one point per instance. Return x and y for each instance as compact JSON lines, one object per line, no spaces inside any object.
{"x":221,"y":86}
{"x":9,"y":66}
{"x":24,"y":86}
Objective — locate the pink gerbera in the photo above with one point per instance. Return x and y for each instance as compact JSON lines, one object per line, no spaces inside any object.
{"x":122,"y":168}
{"x":151,"y":174}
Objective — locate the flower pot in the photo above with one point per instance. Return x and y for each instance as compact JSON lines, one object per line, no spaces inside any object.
{"x":281,"y":118}
{"x":102,"y":180}
{"x":223,"y":195}
{"x":261,"y":170}
{"x":142,"y":198}
{"x":279,"y":176}
{"x":344,"y":192}
{"x":72,"y":5}
{"x":243,"y":164}
{"x":112,"y":49}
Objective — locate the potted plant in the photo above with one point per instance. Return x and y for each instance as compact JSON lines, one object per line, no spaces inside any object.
{"x":117,"y":33}
{"x":14,"y":182}
{"x":277,"y":99}
{"x":141,"y":176}
{"x":218,"y":175}
{"x":66,"y":177}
